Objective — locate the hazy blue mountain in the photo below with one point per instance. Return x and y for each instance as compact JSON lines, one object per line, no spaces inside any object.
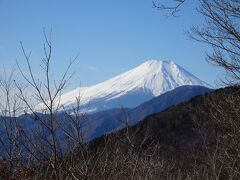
{"x":113,"y":119}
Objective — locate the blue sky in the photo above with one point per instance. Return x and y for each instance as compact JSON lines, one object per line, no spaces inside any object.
{"x":110,"y":36}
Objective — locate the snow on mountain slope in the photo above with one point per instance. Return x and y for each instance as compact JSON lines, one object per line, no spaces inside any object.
{"x":133,"y":87}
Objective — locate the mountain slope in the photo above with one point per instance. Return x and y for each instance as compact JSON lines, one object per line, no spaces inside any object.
{"x":193,"y":140}
{"x":160,"y":103}
{"x":110,"y":120}
{"x":133,"y":87}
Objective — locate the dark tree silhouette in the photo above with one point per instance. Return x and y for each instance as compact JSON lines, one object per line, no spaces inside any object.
{"x":221,"y":30}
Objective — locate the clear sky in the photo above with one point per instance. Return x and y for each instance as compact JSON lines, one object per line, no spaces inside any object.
{"x":110,"y":36}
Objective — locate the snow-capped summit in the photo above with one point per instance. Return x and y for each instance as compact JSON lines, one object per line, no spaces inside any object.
{"x":133,"y":87}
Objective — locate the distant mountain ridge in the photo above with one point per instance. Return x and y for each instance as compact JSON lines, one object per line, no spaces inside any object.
{"x":99,"y":123}
{"x":132,"y":88}
{"x":107,"y":121}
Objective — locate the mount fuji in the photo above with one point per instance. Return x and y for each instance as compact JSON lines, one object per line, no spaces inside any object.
{"x":131,"y":88}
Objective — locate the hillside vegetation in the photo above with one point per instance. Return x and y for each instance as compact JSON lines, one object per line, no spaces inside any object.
{"x":198,"y":139}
